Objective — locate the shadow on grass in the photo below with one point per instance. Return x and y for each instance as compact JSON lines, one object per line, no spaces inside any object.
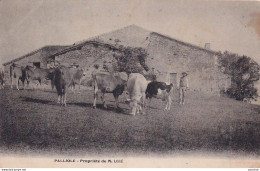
{"x":110,"y":107}
{"x":33,"y":100}
{"x":84,"y":105}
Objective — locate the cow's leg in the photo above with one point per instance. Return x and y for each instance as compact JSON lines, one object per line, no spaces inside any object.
{"x":40,"y":83}
{"x":95,"y":100}
{"x":28,"y":82}
{"x":23,"y":85}
{"x":63,"y":97}
{"x":103,"y":100}
{"x":180,"y":95}
{"x":168,"y":103}
{"x":149,"y":102}
{"x":73,"y":88}
{"x":17,"y":83}
{"x":166,"y":107}
{"x":65,"y":100}
{"x":183,"y":96}
{"x":59,"y":99}
{"x":95,"y":96}
{"x":11,"y":81}
{"x":138,"y":108}
{"x":79,"y":86}
{"x":133,"y":107}
{"x":143,"y":103}
{"x":116,"y":100}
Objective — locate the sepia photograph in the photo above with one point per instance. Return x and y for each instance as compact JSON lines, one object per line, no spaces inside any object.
{"x":129,"y":84}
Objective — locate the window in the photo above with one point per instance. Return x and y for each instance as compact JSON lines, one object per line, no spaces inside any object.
{"x":37,"y":64}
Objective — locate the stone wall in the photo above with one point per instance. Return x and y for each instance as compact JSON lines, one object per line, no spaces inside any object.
{"x":87,"y":56}
{"x":168,"y":55}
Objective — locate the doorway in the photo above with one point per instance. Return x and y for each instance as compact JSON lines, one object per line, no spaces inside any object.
{"x":173,"y":78}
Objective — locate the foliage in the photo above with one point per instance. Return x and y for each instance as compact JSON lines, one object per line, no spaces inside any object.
{"x":130,"y":60}
{"x":244,"y":73}
{"x":150,"y":76}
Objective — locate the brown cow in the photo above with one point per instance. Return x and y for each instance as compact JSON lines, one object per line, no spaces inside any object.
{"x":77,"y":76}
{"x":17,"y":73}
{"x":62,"y":78}
{"x":39,"y":74}
{"x":108,"y":83}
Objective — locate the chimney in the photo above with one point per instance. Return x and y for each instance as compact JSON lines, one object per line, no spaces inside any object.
{"x":207,"y":46}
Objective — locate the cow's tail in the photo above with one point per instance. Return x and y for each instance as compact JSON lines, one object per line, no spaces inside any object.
{"x":52,"y":83}
{"x":54,"y":78}
{"x":11,"y":70}
{"x":11,"y":74}
{"x":25,"y":75}
{"x":147,"y":94}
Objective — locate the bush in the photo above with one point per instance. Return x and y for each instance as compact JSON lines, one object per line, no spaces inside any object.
{"x":244,"y":73}
{"x":130,"y":60}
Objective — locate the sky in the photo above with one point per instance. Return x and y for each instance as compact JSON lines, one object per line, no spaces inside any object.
{"x":27,"y":25}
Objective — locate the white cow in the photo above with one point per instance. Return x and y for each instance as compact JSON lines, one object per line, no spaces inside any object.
{"x":136,"y":87}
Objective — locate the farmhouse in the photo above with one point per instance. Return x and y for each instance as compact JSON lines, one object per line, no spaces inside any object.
{"x":38,"y":58}
{"x":168,"y":57}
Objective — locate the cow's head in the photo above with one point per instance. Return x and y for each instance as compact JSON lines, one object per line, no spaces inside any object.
{"x":84,"y":72}
{"x":136,"y":107}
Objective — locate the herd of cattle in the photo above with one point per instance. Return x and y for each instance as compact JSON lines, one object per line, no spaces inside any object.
{"x":134,"y":84}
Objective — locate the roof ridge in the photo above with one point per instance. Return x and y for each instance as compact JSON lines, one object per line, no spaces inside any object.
{"x":102,"y":34}
{"x":185,"y":43}
{"x":81,"y":44}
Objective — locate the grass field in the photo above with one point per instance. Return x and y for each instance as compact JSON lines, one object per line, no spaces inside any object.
{"x":32,"y":122}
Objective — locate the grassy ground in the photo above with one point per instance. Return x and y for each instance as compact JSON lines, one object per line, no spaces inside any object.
{"x":32,"y":122}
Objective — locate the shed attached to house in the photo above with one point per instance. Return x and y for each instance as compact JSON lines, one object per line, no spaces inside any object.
{"x":37,"y":58}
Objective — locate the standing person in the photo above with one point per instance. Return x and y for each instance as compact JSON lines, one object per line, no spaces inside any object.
{"x":183,"y":87}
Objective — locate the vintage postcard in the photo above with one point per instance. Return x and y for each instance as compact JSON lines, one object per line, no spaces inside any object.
{"x":129,"y":84}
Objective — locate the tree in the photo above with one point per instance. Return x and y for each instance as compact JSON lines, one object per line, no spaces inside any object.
{"x":244,"y":73}
{"x":130,"y":60}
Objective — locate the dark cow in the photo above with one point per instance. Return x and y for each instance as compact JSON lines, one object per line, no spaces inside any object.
{"x":108,"y":83}
{"x":39,"y":74}
{"x":62,"y":79}
{"x":160,"y":90}
{"x":17,"y":73}
{"x":2,"y":75}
